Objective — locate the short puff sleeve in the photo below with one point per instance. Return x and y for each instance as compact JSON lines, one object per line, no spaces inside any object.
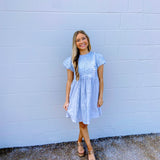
{"x":68,"y":64}
{"x":99,"y":59}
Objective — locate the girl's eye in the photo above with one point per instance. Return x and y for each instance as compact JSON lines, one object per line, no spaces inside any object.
{"x":83,"y":38}
{"x":78,"y":40}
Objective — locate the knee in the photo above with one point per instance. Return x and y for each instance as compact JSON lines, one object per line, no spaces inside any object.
{"x":82,"y":125}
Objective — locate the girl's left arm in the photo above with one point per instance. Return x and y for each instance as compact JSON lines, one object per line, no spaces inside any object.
{"x":100,"y":76}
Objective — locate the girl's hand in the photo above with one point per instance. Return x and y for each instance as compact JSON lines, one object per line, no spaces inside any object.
{"x":100,"y":102}
{"x":65,"y":106}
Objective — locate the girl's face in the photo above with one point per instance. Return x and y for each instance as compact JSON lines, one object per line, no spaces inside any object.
{"x":81,"y":42}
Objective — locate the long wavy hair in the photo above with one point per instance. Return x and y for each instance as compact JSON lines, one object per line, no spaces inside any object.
{"x":76,"y":52}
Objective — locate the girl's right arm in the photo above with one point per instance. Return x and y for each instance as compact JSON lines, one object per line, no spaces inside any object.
{"x":70,"y":76}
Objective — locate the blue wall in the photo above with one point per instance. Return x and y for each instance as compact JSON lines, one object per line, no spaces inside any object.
{"x":35,"y":38}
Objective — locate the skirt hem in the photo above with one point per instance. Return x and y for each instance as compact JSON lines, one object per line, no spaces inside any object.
{"x":85,"y":122}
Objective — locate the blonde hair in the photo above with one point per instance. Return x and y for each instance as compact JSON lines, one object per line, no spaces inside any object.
{"x":76,"y":53}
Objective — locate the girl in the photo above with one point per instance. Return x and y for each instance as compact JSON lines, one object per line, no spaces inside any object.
{"x":84,"y":88}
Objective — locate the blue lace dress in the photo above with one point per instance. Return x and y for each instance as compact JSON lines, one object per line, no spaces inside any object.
{"x":83,"y":97}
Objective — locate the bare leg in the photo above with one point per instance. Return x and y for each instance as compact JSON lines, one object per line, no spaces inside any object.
{"x":80,"y":136}
{"x":80,"y":148}
{"x":84,"y":131}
